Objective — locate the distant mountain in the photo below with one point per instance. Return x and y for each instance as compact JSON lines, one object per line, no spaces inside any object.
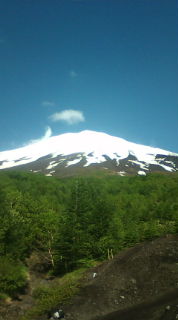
{"x":70,"y":153}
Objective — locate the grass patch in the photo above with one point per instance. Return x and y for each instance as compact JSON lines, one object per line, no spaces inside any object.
{"x":59,"y":293}
{"x":4,"y":297}
{"x":13,"y":276}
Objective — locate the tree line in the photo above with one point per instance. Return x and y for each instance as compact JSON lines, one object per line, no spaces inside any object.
{"x":69,"y":222}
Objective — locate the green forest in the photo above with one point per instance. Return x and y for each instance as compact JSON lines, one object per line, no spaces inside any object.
{"x":67,"y":223}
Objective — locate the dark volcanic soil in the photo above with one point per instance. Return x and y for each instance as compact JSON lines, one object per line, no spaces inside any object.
{"x":140,"y":283}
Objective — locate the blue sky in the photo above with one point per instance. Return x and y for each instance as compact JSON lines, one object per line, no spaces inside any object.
{"x":103,"y":65}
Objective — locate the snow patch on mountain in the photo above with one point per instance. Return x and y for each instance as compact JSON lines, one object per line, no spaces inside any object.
{"x":96,"y":157}
{"x":52,"y":164}
{"x":73,"y":162}
{"x":141,"y":173}
{"x":142,"y":165}
{"x":167,"y":168}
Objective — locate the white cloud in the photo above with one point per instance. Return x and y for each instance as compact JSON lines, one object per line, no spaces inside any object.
{"x":48,"y":134}
{"x":73,"y":74}
{"x":68,"y":116}
{"x":47,"y":103}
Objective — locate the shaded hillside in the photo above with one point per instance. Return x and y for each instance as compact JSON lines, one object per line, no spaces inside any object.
{"x":163,"y":307}
{"x":139,"y":283}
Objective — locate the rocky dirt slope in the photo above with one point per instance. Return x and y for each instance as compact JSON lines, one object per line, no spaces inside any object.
{"x":139,"y":283}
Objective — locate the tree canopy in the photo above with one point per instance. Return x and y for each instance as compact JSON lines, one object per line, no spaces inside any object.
{"x":71,"y":221}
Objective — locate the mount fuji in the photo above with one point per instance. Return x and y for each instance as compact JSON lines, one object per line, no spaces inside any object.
{"x":68,"y":153}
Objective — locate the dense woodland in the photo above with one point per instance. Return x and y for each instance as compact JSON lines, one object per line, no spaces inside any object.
{"x":66,"y":223}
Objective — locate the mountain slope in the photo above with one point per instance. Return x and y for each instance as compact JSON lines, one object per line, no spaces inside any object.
{"x":139,"y":283}
{"x":54,"y":155}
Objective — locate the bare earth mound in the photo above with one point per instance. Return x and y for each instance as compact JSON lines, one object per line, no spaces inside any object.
{"x":139,"y":283}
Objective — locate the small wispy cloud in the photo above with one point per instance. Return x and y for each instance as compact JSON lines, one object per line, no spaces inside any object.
{"x":69,"y":116}
{"x":47,"y":103}
{"x":73,"y":74}
{"x":48,"y":134}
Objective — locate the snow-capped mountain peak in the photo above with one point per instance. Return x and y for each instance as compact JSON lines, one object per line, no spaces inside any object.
{"x":88,"y":148}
